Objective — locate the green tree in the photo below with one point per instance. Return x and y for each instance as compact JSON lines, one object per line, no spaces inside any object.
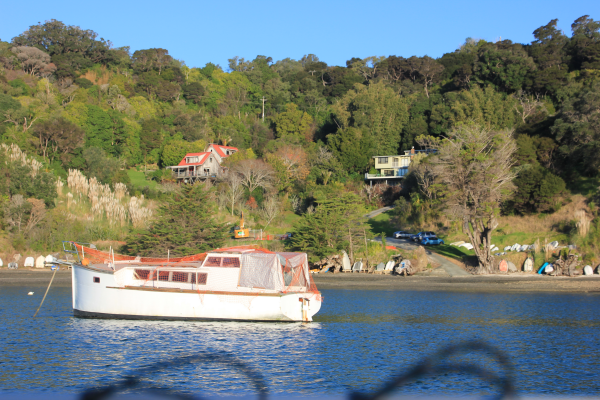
{"x":292,"y":122}
{"x":536,"y":190}
{"x":486,"y":107}
{"x":577,"y":130}
{"x":548,"y":52}
{"x":336,"y":224}
{"x":7,"y":104}
{"x":377,"y":111}
{"x":474,"y":164}
{"x":585,"y":43}
{"x":185,"y":225}
{"x":504,"y":64}
{"x":105,"y":130}
{"x":175,"y":150}
{"x":106,"y":169}
{"x":54,"y":37}
{"x":353,"y":148}
{"x":58,"y":139}
{"x":151,"y":137}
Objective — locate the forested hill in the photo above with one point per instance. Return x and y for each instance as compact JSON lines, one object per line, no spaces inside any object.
{"x":70,"y":99}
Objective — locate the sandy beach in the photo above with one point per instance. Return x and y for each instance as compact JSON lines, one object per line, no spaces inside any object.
{"x":352,"y":281}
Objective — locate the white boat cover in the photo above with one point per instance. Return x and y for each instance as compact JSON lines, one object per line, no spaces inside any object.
{"x":273,"y":271}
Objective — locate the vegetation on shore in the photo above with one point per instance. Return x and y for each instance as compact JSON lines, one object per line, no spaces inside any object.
{"x":117,"y":118}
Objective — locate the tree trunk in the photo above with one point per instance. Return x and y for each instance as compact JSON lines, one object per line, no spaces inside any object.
{"x":351,"y":248}
{"x":480,"y":237}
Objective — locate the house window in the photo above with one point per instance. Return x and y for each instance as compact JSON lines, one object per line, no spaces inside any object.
{"x":383,"y":160}
{"x":395,"y":163}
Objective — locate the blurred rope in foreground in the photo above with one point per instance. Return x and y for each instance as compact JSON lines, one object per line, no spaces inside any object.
{"x":136,"y":377}
{"x":430,"y":366}
{"x":435,"y":365}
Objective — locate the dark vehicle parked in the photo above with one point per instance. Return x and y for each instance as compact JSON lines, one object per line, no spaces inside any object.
{"x":422,"y":235}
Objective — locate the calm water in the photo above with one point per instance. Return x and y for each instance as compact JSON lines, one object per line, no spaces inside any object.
{"x":360,"y":338}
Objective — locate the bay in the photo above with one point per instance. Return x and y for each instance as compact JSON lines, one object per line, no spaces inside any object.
{"x":359,"y":339}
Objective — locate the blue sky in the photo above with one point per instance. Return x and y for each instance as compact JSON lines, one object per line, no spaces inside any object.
{"x":198,"y":32}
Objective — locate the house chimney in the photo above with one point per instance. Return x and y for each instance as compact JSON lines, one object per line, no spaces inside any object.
{"x":412,"y":153}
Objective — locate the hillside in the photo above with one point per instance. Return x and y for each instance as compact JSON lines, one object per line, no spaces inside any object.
{"x":82,"y":108}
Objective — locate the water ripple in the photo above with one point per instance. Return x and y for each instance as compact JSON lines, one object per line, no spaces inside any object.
{"x":357,"y":340}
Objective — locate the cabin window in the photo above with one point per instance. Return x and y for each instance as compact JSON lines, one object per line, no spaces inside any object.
{"x":141,"y":274}
{"x":213,"y":262}
{"x":383,"y":160}
{"x":164,"y":276}
{"x":180,"y":276}
{"x":202,"y":278}
{"x":96,"y":279}
{"x":225,"y":262}
{"x":231,"y":262}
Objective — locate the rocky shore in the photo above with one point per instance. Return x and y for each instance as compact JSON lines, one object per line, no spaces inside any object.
{"x":359,"y":281}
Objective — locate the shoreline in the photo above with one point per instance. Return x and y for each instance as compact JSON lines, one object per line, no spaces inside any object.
{"x":514,"y":283}
{"x":517,"y":283}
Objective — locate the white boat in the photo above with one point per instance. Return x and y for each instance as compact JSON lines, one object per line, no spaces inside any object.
{"x":240,"y":283}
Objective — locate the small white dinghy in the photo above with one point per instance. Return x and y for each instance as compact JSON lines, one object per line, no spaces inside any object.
{"x":389,"y":266}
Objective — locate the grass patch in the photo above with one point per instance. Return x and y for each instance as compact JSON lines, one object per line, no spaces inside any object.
{"x":285,"y":222}
{"x":451,"y":251}
{"x":583,"y":185}
{"x":138,"y":179}
{"x":522,"y":238}
{"x":382,"y":223}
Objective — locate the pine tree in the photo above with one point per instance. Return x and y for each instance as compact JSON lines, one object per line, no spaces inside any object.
{"x":185,"y":226}
{"x":336,"y":224}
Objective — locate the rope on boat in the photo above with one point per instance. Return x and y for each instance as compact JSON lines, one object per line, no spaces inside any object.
{"x":47,"y":289}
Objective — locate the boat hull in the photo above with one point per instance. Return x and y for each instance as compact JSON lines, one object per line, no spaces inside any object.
{"x":96,"y":294}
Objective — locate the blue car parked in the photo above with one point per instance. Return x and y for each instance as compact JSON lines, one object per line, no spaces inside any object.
{"x":431,"y":240}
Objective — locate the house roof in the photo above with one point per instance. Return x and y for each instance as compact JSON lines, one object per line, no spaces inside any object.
{"x":219,"y":149}
{"x":202,"y":157}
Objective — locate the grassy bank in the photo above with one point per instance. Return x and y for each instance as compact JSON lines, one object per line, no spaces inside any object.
{"x":139,"y":181}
